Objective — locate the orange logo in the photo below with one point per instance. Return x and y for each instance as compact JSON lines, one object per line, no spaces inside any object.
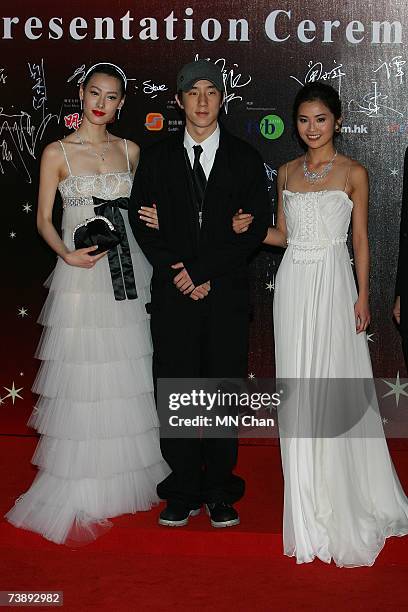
{"x":154,"y":122}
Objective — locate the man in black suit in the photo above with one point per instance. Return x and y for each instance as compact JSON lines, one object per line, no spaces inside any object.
{"x":200,"y":295}
{"x":401,"y":288}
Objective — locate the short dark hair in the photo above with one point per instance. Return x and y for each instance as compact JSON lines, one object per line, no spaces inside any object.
{"x":313,"y":92}
{"x":110,"y":71}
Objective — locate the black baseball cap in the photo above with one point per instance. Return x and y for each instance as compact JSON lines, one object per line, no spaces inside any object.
{"x":200,"y":70}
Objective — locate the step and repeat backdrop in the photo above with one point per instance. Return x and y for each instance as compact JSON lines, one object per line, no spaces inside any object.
{"x":267,"y":50}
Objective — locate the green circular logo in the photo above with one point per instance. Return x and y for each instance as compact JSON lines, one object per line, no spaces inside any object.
{"x":271,"y":127}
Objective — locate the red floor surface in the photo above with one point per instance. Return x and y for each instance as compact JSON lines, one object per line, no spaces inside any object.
{"x":140,"y":566}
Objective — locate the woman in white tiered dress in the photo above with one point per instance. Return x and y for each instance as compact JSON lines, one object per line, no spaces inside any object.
{"x":342,"y":497}
{"x":99,"y":453}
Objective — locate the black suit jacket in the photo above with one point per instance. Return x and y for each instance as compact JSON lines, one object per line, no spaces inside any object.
{"x":214,"y":252}
{"x":401,"y":287}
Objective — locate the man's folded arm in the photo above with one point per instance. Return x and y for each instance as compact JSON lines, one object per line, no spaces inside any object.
{"x":149,"y":239}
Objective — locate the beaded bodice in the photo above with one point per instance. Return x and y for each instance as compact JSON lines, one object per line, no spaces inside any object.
{"x":77,"y":190}
{"x":315,"y":221}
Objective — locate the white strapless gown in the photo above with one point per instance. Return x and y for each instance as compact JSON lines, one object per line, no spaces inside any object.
{"x":99,"y":454}
{"x":342,"y":496}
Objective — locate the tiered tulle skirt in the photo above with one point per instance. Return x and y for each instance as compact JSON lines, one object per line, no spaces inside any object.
{"x":99,"y":454}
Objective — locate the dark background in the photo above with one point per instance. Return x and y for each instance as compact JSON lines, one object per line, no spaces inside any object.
{"x":36,"y":93}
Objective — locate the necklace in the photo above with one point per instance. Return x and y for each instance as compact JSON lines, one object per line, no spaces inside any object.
{"x":313,"y":177}
{"x":104,"y":150}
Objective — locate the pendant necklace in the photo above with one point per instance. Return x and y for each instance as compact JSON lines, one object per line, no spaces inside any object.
{"x":104,"y":150}
{"x":313,"y":177}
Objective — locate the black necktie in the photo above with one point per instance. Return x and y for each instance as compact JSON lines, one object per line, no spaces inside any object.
{"x":200,"y":181}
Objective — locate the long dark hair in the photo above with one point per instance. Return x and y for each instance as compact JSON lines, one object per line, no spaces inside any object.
{"x":313,"y":92}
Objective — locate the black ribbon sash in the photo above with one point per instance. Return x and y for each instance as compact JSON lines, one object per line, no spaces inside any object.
{"x":120,"y":260}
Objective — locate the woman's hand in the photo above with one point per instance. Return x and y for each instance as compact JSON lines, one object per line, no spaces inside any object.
{"x":241,"y":221}
{"x":362,"y":314}
{"x":148,"y":214}
{"x":397,"y":309}
{"x":81,"y":258}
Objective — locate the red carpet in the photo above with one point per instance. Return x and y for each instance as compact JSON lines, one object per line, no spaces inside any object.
{"x":139,"y":566}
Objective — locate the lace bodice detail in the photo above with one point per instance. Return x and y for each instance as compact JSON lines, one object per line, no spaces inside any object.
{"x":315,"y":221}
{"x":78,"y":190}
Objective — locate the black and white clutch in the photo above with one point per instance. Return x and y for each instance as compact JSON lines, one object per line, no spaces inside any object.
{"x":97,"y":230}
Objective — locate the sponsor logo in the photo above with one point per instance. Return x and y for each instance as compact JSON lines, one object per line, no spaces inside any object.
{"x":72,"y":121}
{"x":355,"y":129}
{"x":271,"y":127}
{"x":175,"y":125}
{"x":252,"y":127}
{"x":154,"y":122}
{"x":398,"y":128}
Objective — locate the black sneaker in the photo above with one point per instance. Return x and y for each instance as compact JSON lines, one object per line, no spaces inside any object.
{"x":222,"y":515}
{"x":176,"y":515}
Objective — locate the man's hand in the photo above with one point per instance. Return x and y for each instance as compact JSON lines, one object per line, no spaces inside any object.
{"x":201,"y":291}
{"x":183,"y":281}
{"x":241,"y":221}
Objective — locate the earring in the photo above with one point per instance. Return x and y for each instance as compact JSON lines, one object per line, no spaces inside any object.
{"x":338,"y":128}
{"x":119,"y":109}
{"x":80,"y":102}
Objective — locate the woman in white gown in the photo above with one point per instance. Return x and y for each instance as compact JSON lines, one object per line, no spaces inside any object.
{"x":99,"y":453}
{"x":342,"y":497}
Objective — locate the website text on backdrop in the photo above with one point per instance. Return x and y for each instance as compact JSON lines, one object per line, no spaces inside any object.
{"x":342,"y":497}
{"x":200,"y":297}
{"x":99,"y":453}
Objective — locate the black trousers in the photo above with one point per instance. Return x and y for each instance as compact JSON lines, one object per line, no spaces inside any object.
{"x":193,"y":340}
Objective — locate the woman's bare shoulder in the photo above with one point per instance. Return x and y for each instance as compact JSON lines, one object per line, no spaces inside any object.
{"x":358,"y":172}
{"x":134,"y":153}
{"x":53,"y":153}
{"x":287,"y":168}
{"x":291,"y":164}
{"x":353,"y":164}
{"x":133,"y":148}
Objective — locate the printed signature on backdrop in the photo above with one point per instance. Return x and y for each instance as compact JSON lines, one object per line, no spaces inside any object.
{"x":22,"y":131}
